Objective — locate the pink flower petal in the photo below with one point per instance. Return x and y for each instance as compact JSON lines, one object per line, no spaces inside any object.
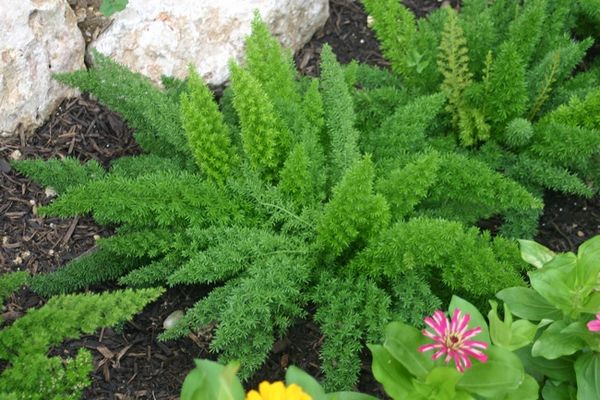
{"x":471,"y":332}
{"x":464,"y":323}
{"x":594,"y":325}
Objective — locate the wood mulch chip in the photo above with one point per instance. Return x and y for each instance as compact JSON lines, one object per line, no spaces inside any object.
{"x":129,"y":362}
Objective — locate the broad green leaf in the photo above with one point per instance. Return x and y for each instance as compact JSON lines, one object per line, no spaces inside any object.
{"x":534,"y":253}
{"x":443,"y":382}
{"x":306,"y":382}
{"x":555,"y":342}
{"x":500,"y":375}
{"x":403,"y":342}
{"x":527,"y":304}
{"x":528,"y":390}
{"x":560,"y":369}
{"x":587,"y":372}
{"x":477,"y":319}
{"x":508,"y":334}
{"x":349,"y":396}
{"x":592,"y":304}
{"x":109,"y":7}
{"x":396,"y":379}
{"x":556,"y":281}
{"x":211,"y":380}
{"x":588,"y":262}
{"x":558,"y":391}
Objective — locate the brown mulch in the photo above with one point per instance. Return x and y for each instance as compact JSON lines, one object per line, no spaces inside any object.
{"x":130,"y":362}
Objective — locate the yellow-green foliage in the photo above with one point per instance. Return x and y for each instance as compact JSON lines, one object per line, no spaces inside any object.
{"x":342,"y":136}
{"x":206,"y":132}
{"x":264,"y":136}
{"x":501,"y":63}
{"x":281,"y":191}
{"x":355,"y":213}
{"x":30,"y":373}
{"x":453,"y":63}
{"x":395,"y":24}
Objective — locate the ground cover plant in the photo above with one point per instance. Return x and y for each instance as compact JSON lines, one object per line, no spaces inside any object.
{"x":519,"y":97}
{"x":563,"y":305}
{"x":273,"y":200}
{"x":24,"y":345}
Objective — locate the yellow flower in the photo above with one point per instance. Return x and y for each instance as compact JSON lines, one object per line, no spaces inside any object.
{"x":277,"y":391}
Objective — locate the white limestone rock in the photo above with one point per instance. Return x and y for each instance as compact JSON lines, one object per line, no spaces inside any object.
{"x":37,"y":38}
{"x":161,"y":37}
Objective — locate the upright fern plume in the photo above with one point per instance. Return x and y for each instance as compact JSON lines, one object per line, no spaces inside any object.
{"x":339,"y":116}
{"x":30,"y":374}
{"x":265,"y":138}
{"x":207,"y":134}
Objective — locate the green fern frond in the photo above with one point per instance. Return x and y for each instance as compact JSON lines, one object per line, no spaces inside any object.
{"x":89,"y":269}
{"x":354,"y":212}
{"x":265,"y":138}
{"x":395,"y":27}
{"x":60,"y":174}
{"x":406,"y":187}
{"x":526,"y":29}
{"x":342,"y":136}
{"x":145,"y":107}
{"x":206,"y":132}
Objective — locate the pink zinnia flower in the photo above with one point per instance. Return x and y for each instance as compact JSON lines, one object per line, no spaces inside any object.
{"x":452,"y":339}
{"x":594,"y":325}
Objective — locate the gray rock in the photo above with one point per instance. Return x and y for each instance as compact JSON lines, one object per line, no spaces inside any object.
{"x":37,"y":38}
{"x":161,"y":37}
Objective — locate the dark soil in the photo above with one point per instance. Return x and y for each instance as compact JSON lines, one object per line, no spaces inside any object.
{"x":131,"y":363}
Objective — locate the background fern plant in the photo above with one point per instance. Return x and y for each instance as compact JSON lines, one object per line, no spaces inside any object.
{"x":30,"y":373}
{"x":516,"y":85}
{"x":278,"y":197}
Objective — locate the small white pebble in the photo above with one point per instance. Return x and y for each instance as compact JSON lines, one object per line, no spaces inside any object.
{"x":560,"y":209}
{"x":370,"y":21}
{"x":580,"y":234}
{"x":32,"y":202}
{"x":50,"y":252}
{"x":584,"y":208}
{"x":362,"y":41}
{"x":50,"y":192}
{"x":172,"y":319}
{"x":97,"y":237}
{"x":16,"y":155}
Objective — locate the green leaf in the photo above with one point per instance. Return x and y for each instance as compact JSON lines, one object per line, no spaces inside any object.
{"x":477,"y":320}
{"x":211,"y":380}
{"x":306,"y":382}
{"x":560,"y":369}
{"x":534,"y":253}
{"x":396,"y":379}
{"x":527,"y":304}
{"x":588,"y":263}
{"x":109,"y":7}
{"x":443,"y":381}
{"x":556,"y":281}
{"x":349,"y":396}
{"x":508,"y":334}
{"x":555,"y":342}
{"x":587,"y":372}
{"x":500,"y":375}
{"x":558,"y":391}
{"x":528,"y":390}
{"x":592,"y":304}
{"x":403,"y":342}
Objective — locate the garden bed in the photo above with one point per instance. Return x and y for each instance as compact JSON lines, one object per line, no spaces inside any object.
{"x":130,"y":363}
